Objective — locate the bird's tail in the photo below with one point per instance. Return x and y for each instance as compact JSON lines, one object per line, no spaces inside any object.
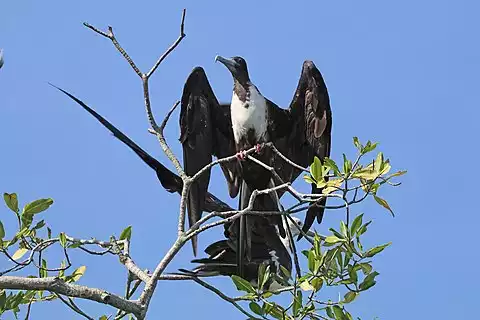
{"x":244,"y":226}
{"x":221,"y":261}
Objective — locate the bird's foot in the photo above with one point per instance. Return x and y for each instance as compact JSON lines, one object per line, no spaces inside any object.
{"x":241,"y":155}
{"x":259,"y":147}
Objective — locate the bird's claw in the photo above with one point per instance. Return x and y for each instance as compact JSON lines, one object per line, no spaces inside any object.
{"x":241,"y":155}
{"x":258,"y":148}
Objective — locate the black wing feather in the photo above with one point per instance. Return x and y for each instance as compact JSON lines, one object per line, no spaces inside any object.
{"x":205,"y":130}
{"x":304,"y":131}
{"x":169,"y":180}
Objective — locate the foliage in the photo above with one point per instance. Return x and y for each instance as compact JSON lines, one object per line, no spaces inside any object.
{"x":29,"y":244}
{"x":335,"y":260}
{"x":338,"y":259}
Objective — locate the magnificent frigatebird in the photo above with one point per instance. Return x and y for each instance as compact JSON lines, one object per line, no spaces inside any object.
{"x":266,"y":242}
{"x":268,"y":247}
{"x":208,"y":128}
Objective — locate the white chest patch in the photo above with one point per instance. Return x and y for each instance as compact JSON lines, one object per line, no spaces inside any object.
{"x":252,"y":117}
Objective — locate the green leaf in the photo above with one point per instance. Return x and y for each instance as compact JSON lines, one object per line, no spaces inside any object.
{"x":39,"y":225}
{"x":242,"y":284}
{"x":378,"y":162}
{"x":339,"y":315}
{"x":276,"y":311}
{"x":126,"y":233}
{"x":37,"y":206}
{"x":261,"y":272}
{"x":104,"y":317}
{"x":2,"y":231}
{"x":265,"y":276}
{"x":309,"y":179}
{"x":366,"y":267}
{"x":357,"y":222}
{"x":349,"y":296}
{"x":3,"y":299}
{"x":256,"y":308}
{"x":63,"y":239}
{"x":369,"y":281}
{"x":343,"y":229}
{"x":330,"y":163}
{"x":398,"y":174}
{"x":359,"y":244}
{"x":316,"y":283}
{"x":333,"y":239}
{"x":297,"y":303}
{"x":384,"y":204}
{"x":349,"y":316}
{"x":357,"y":144}
{"x":78,"y":273}
{"x":352,"y":273}
{"x":316,"y":169}
{"x":19,"y":253}
{"x":311,"y":261}
{"x":363,"y":229}
{"x":11,"y":201}
{"x":43,"y":270}
{"x":306,"y":286}
{"x":385,"y":167}
{"x":329,"y":311}
{"x":370,"y":253}
{"x":33,"y":208}
{"x":49,"y":233}
{"x":61,"y":273}
{"x":336,"y":233}
{"x":347,"y":165}
{"x":369,"y":147}
{"x":286,"y":272}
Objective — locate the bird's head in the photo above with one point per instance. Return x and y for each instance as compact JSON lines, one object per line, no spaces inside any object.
{"x":237,"y":67}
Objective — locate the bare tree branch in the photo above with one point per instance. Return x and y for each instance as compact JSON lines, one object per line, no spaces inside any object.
{"x":57,"y":285}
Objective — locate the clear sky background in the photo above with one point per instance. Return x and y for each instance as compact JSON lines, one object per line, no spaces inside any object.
{"x":404,"y":73}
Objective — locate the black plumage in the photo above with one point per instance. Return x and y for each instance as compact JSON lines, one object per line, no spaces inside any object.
{"x":211,"y":129}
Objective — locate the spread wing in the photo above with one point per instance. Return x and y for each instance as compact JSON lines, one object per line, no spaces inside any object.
{"x":205,"y":131}
{"x":304,"y":131}
{"x":169,"y":180}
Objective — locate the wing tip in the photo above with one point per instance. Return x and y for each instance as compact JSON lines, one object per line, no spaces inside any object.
{"x":308,"y":64}
{"x":195,"y":74}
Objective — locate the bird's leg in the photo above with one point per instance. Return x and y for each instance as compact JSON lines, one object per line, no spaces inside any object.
{"x":241,"y":155}
{"x":259,"y":147}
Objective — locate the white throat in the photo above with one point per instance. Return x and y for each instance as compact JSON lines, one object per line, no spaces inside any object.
{"x":251,"y":114}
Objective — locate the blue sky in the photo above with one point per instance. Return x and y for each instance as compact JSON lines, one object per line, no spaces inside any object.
{"x":403,"y":73}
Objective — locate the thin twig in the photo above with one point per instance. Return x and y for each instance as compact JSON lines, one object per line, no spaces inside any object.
{"x":224,"y":297}
{"x":73,"y":306}
{"x":171,"y":48}
{"x":117,"y":45}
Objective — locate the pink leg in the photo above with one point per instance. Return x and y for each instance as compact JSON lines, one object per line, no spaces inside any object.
{"x":258,"y":148}
{"x":241,"y":155}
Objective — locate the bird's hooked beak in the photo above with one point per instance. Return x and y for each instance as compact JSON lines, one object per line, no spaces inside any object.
{"x":231,"y":65}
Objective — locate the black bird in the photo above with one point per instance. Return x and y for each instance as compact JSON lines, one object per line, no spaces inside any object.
{"x":268,"y":247}
{"x":208,"y":128}
{"x":169,"y":180}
